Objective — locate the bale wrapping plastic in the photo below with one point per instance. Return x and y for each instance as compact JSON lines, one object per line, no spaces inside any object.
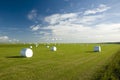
{"x":97,"y":49}
{"x":26,"y":52}
{"x":36,"y":45}
{"x":54,"y":48}
{"x":47,"y":46}
{"x":30,"y":46}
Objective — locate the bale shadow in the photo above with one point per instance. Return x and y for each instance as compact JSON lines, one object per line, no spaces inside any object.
{"x":90,"y":52}
{"x":15,"y":57}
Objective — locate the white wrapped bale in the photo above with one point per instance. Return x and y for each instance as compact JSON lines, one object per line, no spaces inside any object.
{"x":47,"y":46}
{"x":97,"y":49}
{"x":54,"y":48}
{"x":37,"y":45}
{"x":26,"y":52}
{"x":30,"y":46}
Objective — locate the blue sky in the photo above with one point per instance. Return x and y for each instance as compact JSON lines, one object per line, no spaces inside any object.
{"x":59,"y":20}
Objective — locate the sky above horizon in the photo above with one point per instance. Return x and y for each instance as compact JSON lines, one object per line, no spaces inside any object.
{"x":81,"y":21}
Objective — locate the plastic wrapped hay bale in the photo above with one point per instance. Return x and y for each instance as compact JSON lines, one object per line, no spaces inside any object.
{"x":97,"y":49}
{"x":26,"y":52}
{"x":37,"y":45}
{"x":47,"y":46}
{"x":54,"y":48}
{"x":30,"y":46}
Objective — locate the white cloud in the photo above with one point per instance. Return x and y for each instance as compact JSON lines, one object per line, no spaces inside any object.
{"x":32,"y":15}
{"x":107,"y":29}
{"x":79,"y":27}
{"x":90,"y":19}
{"x":98,"y":33}
{"x":67,"y":28}
{"x":99,"y":9}
{"x":72,"y":18}
{"x":56,"y":18}
{"x":7,"y":39}
{"x":14,"y":40}
{"x":4,"y":38}
{"x":35,"y":27}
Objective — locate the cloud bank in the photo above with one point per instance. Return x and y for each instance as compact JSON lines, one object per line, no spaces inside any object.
{"x":77,"y":27}
{"x":4,"y":38}
{"x":7,"y":39}
{"x":99,"y":9}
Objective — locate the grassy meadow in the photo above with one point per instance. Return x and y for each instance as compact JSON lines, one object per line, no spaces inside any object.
{"x":69,"y":62}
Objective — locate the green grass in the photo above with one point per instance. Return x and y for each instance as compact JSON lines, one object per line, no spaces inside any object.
{"x":110,"y":71}
{"x":69,"y":62}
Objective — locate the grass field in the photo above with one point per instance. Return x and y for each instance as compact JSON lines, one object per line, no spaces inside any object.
{"x":69,"y":62}
{"x":110,"y":71}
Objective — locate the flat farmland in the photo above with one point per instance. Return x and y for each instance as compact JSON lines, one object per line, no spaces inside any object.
{"x":69,"y":62}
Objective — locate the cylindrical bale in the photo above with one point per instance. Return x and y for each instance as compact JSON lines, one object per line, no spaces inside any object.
{"x":97,"y":49}
{"x":26,"y":52}
{"x":54,"y":48}
{"x":36,"y":45}
{"x":30,"y":46}
{"x":47,"y":46}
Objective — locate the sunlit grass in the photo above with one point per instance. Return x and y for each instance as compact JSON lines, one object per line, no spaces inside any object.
{"x":69,"y":62}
